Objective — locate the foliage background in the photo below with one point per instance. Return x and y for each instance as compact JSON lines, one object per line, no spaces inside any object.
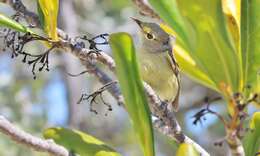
{"x":51,"y":99}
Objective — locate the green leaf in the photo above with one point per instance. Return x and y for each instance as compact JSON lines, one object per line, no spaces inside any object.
{"x":79,"y":142}
{"x":12,"y":24}
{"x":250,"y":37}
{"x":232,"y":11}
{"x":41,"y":15}
{"x":252,"y":139}
{"x":132,"y":89}
{"x":169,"y":11}
{"x":48,"y":13}
{"x":187,"y":64}
{"x":186,"y":150}
{"x":204,"y":35}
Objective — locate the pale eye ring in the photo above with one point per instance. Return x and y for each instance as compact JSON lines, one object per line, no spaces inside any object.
{"x":149,"y":36}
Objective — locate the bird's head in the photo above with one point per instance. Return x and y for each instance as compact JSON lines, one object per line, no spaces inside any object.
{"x":154,"y":38}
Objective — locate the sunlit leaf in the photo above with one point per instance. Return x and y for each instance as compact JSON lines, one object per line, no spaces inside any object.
{"x":48,"y":13}
{"x":10,"y":23}
{"x":231,"y":9}
{"x":186,"y":150}
{"x":132,"y":89}
{"x":250,"y":37}
{"x":169,"y":11}
{"x":79,"y":142}
{"x":252,"y":139}
{"x":187,"y":64}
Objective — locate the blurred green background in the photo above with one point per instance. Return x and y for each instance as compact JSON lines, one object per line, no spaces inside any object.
{"x":51,"y":99}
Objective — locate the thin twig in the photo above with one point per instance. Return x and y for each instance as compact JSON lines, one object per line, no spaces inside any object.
{"x":79,"y":74}
{"x":199,"y":115}
{"x":145,"y":9}
{"x":98,"y":93}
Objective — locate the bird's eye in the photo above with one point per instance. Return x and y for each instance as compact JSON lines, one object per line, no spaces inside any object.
{"x":149,"y":36}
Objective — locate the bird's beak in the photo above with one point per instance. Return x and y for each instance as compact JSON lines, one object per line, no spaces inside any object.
{"x":139,"y":23}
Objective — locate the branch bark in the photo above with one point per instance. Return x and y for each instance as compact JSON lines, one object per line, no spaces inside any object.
{"x":145,"y":9}
{"x":29,"y":140}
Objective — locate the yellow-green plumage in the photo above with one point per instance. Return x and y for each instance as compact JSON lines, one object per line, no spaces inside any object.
{"x":157,"y":71}
{"x":157,"y":65}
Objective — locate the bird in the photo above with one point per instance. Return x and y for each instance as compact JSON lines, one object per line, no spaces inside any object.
{"x":157,"y":64}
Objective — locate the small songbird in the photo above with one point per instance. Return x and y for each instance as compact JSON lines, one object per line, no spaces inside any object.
{"x":157,"y":64}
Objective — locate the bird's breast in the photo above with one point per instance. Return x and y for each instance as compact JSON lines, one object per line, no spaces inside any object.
{"x":158,"y":73}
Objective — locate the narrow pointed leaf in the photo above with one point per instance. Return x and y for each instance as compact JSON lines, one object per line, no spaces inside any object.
{"x":79,"y":142}
{"x":186,"y":150}
{"x":12,"y":24}
{"x":187,"y":63}
{"x":208,"y":42}
{"x":231,"y":9}
{"x":132,"y":89}
{"x":250,"y":37}
{"x":169,"y":11}
{"x":48,"y":13}
{"x":189,"y":66}
{"x":252,"y":139}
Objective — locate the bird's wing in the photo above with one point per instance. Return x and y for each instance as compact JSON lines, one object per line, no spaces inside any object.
{"x":175,"y":68}
{"x":173,"y":62}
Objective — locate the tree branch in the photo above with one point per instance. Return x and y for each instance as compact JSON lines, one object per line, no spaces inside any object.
{"x":168,"y":125}
{"x":145,"y":9}
{"x":29,"y":140}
